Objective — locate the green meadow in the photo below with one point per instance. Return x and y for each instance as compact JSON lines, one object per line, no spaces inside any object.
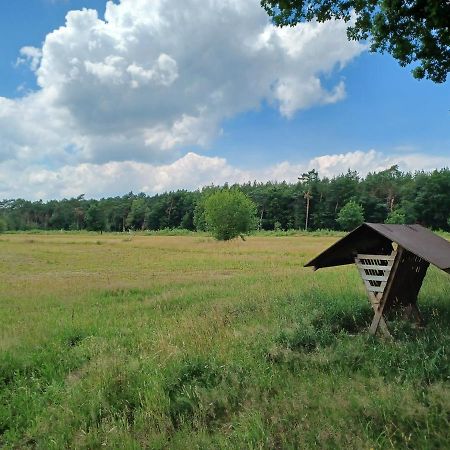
{"x":151,"y":341}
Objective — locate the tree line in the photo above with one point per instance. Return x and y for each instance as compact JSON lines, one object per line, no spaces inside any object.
{"x":312,"y":203}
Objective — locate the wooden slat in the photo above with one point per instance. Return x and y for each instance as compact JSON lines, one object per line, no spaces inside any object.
{"x":375,"y":277}
{"x":376,"y":257}
{"x":374,"y":288}
{"x":374,"y":266}
{"x":368,"y":266}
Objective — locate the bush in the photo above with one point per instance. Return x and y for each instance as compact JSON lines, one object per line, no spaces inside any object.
{"x":199,"y":215}
{"x":350,"y":216}
{"x":397,"y":216}
{"x":229,"y":213}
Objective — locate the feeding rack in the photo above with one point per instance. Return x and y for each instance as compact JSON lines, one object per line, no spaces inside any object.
{"x":392,"y":261}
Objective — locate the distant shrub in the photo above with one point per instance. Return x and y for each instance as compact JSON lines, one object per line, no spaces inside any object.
{"x":293,"y":232}
{"x":229,"y":213}
{"x":397,"y":216}
{"x":350,"y":216}
{"x":171,"y":232}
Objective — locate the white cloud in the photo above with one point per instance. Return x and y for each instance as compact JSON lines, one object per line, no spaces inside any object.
{"x":30,"y":129}
{"x":294,"y":95}
{"x":164,"y":72}
{"x":157,"y":76}
{"x":373,"y":161}
{"x":189,"y":172}
{"x":107,"y":71}
{"x":188,"y":130}
{"x":30,"y":55}
{"x":361,"y":161}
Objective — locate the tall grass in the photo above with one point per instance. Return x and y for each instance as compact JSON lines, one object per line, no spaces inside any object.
{"x":184,"y":342}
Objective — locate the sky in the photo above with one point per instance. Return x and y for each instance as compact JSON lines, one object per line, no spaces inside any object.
{"x":103,"y":98}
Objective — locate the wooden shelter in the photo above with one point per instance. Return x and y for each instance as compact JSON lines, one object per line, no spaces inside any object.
{"x":392,"y":261}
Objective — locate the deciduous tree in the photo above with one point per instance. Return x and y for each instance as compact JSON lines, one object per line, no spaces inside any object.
{"x":397,"y":216}
{"x":2,"y":225}
{"x":229,"y":213}
{"x":350,"y":216}
{"x":95,"y":218}
{"x":412,"y":31}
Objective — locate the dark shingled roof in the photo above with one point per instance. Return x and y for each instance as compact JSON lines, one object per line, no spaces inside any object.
{"x":377,"y":238}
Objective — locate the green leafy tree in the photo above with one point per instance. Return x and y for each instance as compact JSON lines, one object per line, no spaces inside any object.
{"x":117,"y":210}
{"x":397,"y":216}
{"x":3,"y":226}
{"x":95,"y":218}
{"x":350,"y":216}
{"x":229,"y":213}
{"x":412,"y":31}
{"x":199,"y":209}
{"x":422,"y":197}
{"x":187,"y":221}
{"x":199,"y":216}
{"x":431,"y":198}
{"x":136,"y":216}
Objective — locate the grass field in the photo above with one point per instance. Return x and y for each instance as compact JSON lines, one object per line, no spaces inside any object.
{"x":183,"y":342}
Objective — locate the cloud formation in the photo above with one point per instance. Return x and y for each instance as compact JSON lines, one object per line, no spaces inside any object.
{"x":155,"y":77}
{"x":192,"y":171}
{"x":123,"y":100}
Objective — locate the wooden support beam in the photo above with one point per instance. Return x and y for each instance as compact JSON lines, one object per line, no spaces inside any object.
{"x":375,"y":301}
{"x":368,"y":266}
{"x":390,"y":282}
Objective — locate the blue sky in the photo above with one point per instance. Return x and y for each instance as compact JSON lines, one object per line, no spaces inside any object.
{"x":385,"y":116}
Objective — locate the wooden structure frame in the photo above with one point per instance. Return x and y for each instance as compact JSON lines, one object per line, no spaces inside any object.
{"x":392,"y":276}
{"x":375,"y":271}
{"x":392,"y":281}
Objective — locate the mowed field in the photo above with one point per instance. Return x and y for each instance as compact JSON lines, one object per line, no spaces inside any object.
{"x":122,"y":341}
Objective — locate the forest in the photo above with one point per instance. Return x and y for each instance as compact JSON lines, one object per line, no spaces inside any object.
{"x":390,"y":196}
